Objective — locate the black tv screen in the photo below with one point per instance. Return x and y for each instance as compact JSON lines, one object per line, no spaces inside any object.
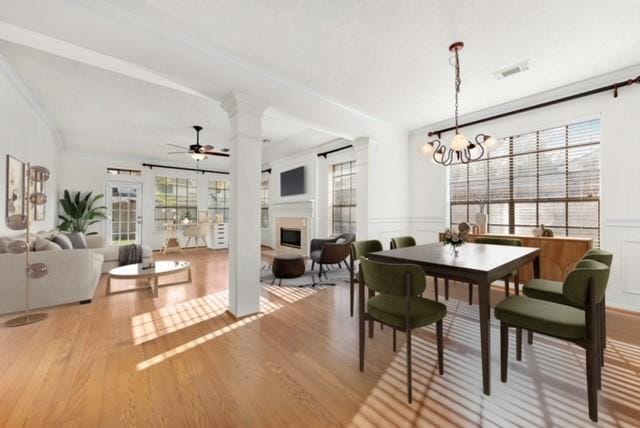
{"x":292,"y":182}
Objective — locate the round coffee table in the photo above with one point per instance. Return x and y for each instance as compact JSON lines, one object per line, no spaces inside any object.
{"x":151,"y":272}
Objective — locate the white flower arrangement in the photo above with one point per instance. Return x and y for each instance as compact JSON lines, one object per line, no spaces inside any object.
{"x":455,"y":239}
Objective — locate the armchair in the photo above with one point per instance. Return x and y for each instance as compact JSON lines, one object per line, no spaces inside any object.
{"x":330,"y":252}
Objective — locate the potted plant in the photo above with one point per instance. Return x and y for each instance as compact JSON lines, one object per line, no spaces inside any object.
{"x":455,"y":240}
{"x":81,"y":212}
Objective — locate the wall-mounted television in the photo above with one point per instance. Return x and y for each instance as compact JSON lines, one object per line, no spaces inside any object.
{"x":292,"y":182}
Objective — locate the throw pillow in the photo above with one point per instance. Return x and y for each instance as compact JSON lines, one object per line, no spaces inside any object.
{"x":63,"y":241}
{"x":43,"y":244}
{"x":78,"y":240}
{"x":4,"y":244}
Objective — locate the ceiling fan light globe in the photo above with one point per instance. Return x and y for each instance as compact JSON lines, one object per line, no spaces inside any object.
{"x":198,"y":156}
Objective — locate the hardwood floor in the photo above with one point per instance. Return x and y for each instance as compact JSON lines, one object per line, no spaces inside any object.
{"x":180,"y":360}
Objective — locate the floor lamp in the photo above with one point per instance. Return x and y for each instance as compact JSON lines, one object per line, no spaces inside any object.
{"x":35,"y":174}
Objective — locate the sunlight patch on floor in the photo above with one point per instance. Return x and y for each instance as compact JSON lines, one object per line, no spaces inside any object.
{"x":546,"y":388}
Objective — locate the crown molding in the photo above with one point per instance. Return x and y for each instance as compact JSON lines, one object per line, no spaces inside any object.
{"x":17,"y":83}
{"x":562,"y":91}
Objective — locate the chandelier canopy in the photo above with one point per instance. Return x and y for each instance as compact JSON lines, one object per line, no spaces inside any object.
{"x":460,"y":149}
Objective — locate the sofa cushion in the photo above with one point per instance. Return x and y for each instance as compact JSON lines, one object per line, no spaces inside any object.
{"x":78,"y":240}
{"x":42,"y":244}
{"x":4,"y":244}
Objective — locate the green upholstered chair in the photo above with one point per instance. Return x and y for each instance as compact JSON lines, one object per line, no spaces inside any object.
{"x":584,"y":288}
{"x":360,"y":249}
{"x":551,"y":291}
{"x":402,"y":242}
{"x":398,"y":304}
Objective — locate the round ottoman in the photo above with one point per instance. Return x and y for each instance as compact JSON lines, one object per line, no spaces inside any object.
{"x":287,"y":266}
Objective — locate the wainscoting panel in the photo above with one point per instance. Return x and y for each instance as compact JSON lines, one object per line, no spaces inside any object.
{"x":622,"y":238}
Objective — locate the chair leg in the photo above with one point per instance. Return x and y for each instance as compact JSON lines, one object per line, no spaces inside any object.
{"x":517,"y":283}
{"x":371,"y":294}
{"x":504,"y":350}
{"x":273,"y":280}
{"x":280,"y":282}
{"x":440,"y":347}
{"x":506,"y":287}
{"x":518,"y":344}
{"x":313,"y":266}
{"x":470,"y":294}
{"x":394,"y":340}
{"x":592,"y":380}
{"x":351,"y":295}
{"x":409,"y":386}
{"x":435,"y":288}
{"x":188,"y":241}
{"x":446,"y":289}
{"x":529,"y":337}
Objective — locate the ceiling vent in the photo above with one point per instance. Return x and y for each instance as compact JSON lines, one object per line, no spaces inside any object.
{"x":510,"y":71}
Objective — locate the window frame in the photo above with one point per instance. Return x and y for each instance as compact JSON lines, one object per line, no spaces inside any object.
{"x":220,"y":206}
{"x":190,"y":191}
{"x":337,"y":222}
{"x":568,"y":147}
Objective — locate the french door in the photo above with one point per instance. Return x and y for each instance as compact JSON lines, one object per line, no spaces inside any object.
{"x":124,"y":204}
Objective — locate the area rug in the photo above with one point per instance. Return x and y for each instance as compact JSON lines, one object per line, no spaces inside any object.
{"x":334,"y":275}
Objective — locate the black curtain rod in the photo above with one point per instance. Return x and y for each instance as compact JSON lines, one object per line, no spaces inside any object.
{"x":183,"y":168}
{"x":613,"y":87}
{"x":324,"y":154}
{"x":268,"y":171}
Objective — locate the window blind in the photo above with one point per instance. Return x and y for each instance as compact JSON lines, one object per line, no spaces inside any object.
{"x":549,"y":177}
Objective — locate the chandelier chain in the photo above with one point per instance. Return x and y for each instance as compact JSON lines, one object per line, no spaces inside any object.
{"x":458,"y":81}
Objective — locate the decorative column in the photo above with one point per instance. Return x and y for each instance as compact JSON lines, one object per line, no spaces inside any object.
{"x":245,"y":114}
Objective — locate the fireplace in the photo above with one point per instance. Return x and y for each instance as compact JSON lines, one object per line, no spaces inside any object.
{"x":290,"y":237}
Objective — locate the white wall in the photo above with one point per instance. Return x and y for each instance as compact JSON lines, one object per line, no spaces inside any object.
{"x":88,"y":172}
{"x":26,"y":135}
{"x":620,"y":147}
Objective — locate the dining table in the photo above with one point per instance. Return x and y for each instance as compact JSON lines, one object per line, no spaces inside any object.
{"x":480,"y":264}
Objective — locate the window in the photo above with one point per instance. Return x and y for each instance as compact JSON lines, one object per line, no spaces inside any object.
{"x":218,"y":199}
{"x":122,"y":171}
{"x":549,"y":177}
{"x":343,"y":197}
{"x":176,"y":199}
{"x":264,"y":205}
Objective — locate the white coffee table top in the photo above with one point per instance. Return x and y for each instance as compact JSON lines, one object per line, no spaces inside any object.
{"x":159,"y":268}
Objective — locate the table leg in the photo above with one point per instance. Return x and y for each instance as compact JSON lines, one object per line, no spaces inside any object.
{"x":361,"y":321}
{"x":189,"y":274}
{"x":154,"y":286}
{"x":536,"y":267}
{"x":109,"y":285}
{"x":485,"y":335}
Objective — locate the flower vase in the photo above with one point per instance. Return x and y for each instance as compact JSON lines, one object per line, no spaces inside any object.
{"x":455,"y":250}
{"x":481,"y":220}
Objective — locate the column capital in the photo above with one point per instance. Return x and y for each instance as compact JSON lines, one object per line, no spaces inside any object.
{"x":236,"y":102}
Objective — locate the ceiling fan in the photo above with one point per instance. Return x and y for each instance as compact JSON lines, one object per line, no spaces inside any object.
{"x":197,"y":151}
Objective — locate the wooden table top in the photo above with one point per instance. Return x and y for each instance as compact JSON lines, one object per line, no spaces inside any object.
{"x":475,"y":258}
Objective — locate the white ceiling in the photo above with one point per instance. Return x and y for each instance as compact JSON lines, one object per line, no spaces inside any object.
{"x":338,"y":66}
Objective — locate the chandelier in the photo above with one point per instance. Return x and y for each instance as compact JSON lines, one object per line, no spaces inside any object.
{"x":460,"y":149}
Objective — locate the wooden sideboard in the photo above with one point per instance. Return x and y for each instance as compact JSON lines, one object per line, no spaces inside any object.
{"x":558,"y":255}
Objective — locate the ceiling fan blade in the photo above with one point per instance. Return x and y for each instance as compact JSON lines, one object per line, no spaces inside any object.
{"x":225,"y":155}
{"x":175,"y":145}
{"x":207,"y":148}
{"x":178,"y":153}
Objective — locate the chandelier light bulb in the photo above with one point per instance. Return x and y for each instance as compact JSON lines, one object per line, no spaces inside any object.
{"x":459,"y":142}
{"x":428,"y":149}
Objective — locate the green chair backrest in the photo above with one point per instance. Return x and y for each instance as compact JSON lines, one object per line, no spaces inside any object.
{"x":403,"y":241}
{"x":498,"y":241}
{"x":575,"y":285}
{"x":364,"y":248}
{"x":390,"y":278}
{"x":602,"y":256}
